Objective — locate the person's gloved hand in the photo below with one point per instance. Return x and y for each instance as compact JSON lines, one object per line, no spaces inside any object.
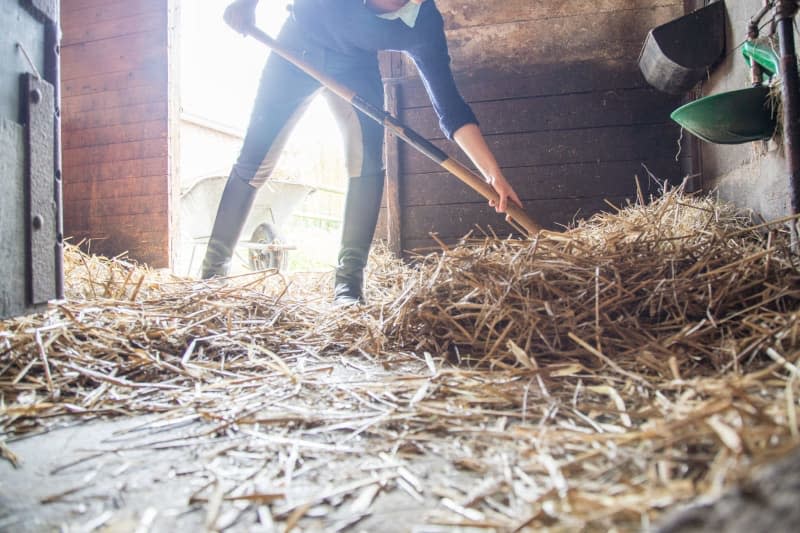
{"x":241,"y":15}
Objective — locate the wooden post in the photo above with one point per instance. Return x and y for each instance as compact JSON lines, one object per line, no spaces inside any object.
{"x":394,"y":217}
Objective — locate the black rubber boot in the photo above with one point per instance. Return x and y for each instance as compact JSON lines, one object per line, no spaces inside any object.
{"x":362,"y":206}
{"x":234,"y":206}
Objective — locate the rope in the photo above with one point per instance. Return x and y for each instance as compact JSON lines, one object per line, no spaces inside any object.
{"x":30,"y":62}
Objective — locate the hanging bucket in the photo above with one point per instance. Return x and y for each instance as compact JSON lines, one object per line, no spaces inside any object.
{"x":676,"y":55}
{"x":732,"y":117}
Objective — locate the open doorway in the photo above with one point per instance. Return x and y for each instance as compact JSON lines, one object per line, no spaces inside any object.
{"x":219,"y":77}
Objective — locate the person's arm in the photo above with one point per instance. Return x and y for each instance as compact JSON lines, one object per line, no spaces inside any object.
{"x":241,"y":15}
{"x":456,"y":119}
{"x":471,"y":140}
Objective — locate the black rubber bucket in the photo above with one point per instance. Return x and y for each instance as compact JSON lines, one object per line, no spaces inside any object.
{"x":677,"y":55}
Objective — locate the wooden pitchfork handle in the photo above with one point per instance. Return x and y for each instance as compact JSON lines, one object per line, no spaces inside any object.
{"x":413,"y":138}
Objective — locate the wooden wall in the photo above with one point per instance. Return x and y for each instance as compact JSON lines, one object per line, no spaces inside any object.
{"x":557,"y":90}
{"x":116,"y":126}
{"x":555,"y":85}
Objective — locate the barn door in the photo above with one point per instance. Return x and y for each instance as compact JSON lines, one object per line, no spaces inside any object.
{"x":30,"y":156}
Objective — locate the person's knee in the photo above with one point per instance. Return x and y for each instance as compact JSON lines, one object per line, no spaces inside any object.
{"x":247,"y":174}
{"x":371,"y":167}
{"x":371,"y":161}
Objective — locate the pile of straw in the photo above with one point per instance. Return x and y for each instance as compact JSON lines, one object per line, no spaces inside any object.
{"x":592,"y":378}
{"x":678,"y":280}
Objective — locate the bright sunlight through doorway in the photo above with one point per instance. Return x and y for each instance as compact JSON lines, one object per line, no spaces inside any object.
{"x":220,"y":70}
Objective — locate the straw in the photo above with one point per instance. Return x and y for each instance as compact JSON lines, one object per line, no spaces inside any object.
{"x":594,"y":378}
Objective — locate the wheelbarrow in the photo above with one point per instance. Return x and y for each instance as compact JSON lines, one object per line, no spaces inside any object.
{"x":261,"y":238}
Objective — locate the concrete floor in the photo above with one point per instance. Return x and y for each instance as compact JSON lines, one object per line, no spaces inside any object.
{"x":127,"y":475}
{"x":166,"y":474}
{"x":72,"y":477}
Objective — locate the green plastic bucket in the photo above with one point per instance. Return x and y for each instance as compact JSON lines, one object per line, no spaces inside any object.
{"x":763,"y":54}
{"x":732,"y":117}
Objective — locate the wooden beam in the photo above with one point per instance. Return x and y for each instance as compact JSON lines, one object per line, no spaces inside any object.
{"x":624,"y":107}
{"x":547,"y":182}
{"x":613,"y":143}
{"x":394,"y":207}
{"x":452,"y":222}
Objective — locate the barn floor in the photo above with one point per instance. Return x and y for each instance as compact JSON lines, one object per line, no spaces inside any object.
{"x":590,"y":380}
{"x":157,"y":473}
{"x":138,"y":473}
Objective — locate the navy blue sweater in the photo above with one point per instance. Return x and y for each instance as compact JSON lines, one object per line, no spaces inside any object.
{"x":349,"y":27}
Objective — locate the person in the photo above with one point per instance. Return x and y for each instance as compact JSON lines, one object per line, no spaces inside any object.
{"x":342,"y":39}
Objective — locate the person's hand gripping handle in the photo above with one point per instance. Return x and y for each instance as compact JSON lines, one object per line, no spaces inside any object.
{"x":241,"y":15}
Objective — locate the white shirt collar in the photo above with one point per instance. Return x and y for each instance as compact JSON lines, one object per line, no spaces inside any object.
{"x":408,"y":14}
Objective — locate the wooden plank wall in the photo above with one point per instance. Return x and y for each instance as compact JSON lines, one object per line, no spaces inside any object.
{"x":115,"y":77}
{"x":556,"y":87}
